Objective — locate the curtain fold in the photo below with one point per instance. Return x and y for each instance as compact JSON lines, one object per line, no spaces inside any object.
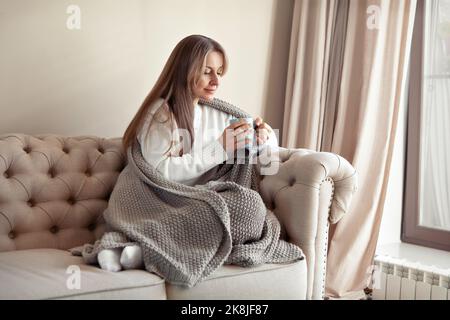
{"x":346,"y":81}
{"x":308,"y":63}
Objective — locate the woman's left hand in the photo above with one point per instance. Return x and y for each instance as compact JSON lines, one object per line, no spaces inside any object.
{"x":263,"y":131}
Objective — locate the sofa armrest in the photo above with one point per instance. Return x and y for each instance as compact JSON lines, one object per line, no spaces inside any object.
{"x":308,"y":191}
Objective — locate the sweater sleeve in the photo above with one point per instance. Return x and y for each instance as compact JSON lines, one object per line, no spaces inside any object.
{"x":173,"y":166}
{"x":190,"y":166}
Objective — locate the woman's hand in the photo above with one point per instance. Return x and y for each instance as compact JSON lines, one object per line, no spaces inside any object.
{"x":234,"y":136}
{"x":263,"y":131}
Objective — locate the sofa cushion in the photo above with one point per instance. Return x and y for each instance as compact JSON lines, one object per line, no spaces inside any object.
{"x":44,"y":274}
{"x":54,"y":189}
{"x":268,"y":281}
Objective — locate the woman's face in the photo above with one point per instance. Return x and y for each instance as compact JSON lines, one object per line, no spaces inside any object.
{"x":209,"y":77}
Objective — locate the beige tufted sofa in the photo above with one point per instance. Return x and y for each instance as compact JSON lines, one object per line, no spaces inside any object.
{"x":53,"y":190}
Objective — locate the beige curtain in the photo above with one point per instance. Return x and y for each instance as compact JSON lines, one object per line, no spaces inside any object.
{"x":347,"y":74}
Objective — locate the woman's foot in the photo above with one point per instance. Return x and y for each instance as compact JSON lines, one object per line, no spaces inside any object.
{"x":109,"y":259}
{"x":131,"y":258}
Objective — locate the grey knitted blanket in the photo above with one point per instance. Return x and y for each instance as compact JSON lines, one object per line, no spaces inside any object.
{"x":187,"y":232}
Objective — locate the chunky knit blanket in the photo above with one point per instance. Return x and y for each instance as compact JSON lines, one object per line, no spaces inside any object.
{"x":187,"y":232}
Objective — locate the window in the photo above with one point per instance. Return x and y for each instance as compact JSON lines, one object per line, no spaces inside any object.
{"x":426,"y":215}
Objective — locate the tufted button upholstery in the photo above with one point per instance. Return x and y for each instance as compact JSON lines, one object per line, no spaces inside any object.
{"x":31,"y":203}
{"x":54,"y":229}
{"x":49,"y":193}
{"x":291,"y":181}
{"x":51,"y":173}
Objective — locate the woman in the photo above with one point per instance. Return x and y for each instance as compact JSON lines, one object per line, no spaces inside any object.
{"x":184,"y":139}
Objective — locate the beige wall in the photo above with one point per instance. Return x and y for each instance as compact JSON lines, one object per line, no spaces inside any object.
{"x":92,"y":80}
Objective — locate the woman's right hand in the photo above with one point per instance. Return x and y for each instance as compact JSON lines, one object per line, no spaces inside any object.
{"x":234,"y":136}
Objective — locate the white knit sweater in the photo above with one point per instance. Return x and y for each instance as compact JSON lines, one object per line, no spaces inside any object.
{"x":197,"y":166}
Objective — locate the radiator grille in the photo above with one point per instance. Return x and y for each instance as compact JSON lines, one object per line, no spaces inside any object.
{"x":397,"y":279}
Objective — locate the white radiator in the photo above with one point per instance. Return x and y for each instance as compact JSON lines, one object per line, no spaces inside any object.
{"x":395,"y":279}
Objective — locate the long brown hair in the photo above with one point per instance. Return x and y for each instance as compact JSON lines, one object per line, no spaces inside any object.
{"x":180,"y":73}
